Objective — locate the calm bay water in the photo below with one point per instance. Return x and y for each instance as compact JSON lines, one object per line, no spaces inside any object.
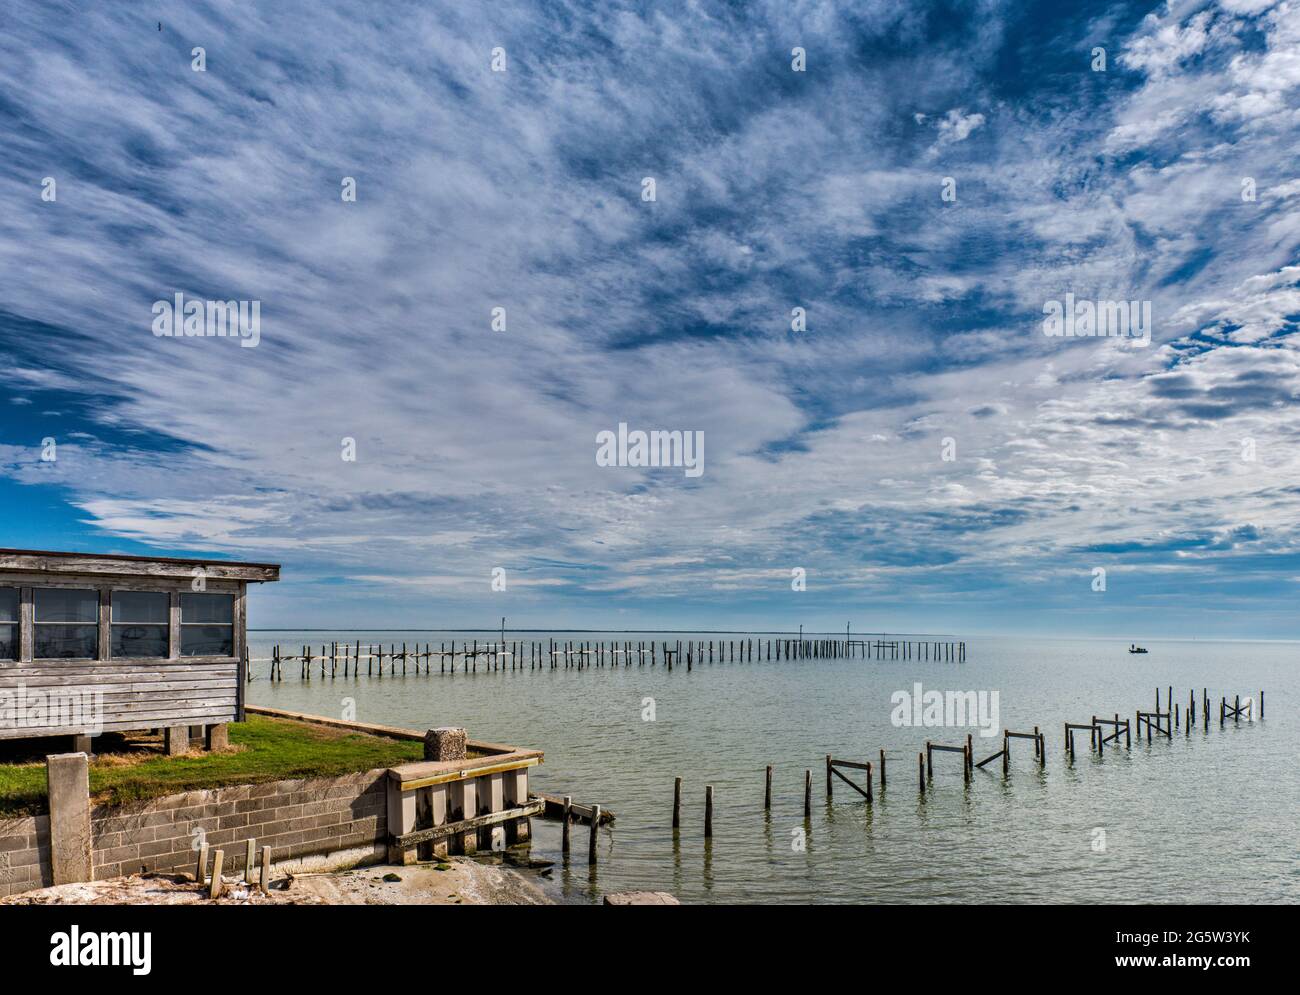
{"x":1210,"y":817}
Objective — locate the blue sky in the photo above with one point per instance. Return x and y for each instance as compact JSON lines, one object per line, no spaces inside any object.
{"x":774,"y":190}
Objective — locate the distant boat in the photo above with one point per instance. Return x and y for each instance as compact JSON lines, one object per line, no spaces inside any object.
{"x":1134,"y":648}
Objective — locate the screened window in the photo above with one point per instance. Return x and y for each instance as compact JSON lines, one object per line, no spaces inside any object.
{"x":207,"y":625}
{"x":67,"y":624}
{"x":8,"y":623}
{"x":140,"y":623}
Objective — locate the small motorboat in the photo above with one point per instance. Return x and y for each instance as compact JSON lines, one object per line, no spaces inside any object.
{"x":1134,"y":648}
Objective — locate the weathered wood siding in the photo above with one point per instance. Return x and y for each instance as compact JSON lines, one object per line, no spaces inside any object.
{"x":119,"y":694}
{"x":135,"y":694}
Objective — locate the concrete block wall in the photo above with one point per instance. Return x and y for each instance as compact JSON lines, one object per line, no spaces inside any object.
{"x":25,"y":854}
{"x":313,"y":823}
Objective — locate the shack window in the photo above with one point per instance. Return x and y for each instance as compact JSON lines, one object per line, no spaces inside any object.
{"x":8,"y":623}
{"x":67,"y":624}
{"x":140,"y":623}
{"x":207,"y":625}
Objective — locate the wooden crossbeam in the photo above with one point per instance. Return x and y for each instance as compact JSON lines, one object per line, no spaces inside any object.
{"x":579,"y":813}
{"x":865,"y":794}
{"x":408,"y":840}
{"x":986,"y":760}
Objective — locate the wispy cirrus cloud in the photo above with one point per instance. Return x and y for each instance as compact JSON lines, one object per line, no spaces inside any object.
{"x":775,"y":190}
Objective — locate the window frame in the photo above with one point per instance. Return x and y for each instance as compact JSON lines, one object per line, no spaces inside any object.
{"x":16,"y":624}
{"x":27,"y":582}
{"x":166,"y":625}
{"x":96,"y":623}
{"x":233,"y":625}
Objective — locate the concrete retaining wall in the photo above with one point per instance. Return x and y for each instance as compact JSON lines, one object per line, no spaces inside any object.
{"x":315,"y":823}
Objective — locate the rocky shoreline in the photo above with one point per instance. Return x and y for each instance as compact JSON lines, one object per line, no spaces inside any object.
{"x":457,"y":881}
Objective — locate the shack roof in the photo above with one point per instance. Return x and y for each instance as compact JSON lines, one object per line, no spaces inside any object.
{"x":120,"y":565}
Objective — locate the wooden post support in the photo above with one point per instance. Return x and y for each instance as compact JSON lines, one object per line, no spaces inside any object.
{"x":677,"y":802}
{"x":250,"y":859}
{"x":201,"y":867}
{"x":920,"y":763}
{"x":807,"y":794}
{"x":265,"y":883}
{"x":708,"y":811}
{"x":767,"y":790}
{"x":567,"y":818}
{"x":882,"y":769}
{"x":830,"y":790}
{"x":868,"y":780}
{"x":1006,"y":753}
{"x":214,"y":888}
{"x":1261,"y":704}
{"x":595,"y":824}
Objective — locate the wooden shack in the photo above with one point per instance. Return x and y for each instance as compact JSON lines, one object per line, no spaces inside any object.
{"x":92,"y":643}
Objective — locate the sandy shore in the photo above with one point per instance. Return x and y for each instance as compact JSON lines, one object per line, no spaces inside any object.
{"x":461,"y":881}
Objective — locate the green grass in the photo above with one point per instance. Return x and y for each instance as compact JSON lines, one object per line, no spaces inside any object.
{"x":129,"y":768}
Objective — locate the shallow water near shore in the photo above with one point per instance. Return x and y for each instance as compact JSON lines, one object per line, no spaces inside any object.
{"x":1205,"y":817}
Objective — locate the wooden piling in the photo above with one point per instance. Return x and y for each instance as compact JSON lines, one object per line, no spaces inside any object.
{"x":677,"y":802}
{"x":595,"y":825}
{"x":708,"y":811}
{"x":920,"y":763}
{"x":767,"y":790}
{"x":830,"y":790}
{"x":214,"y":887}
{"x":807,"y":794}
{"x":264,"y":882}
{"x":567,"y":819}
{"x":882,"y":769}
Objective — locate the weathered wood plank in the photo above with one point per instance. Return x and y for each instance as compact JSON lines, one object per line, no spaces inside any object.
{"x":134,"y":723}
{"x":581,"y":813}
{"x":44,"y":561}
{"x":78,"y":672}
{"x":408,"y":840}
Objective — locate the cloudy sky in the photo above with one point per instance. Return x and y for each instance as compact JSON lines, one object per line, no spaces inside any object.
{"x":930,"y":180}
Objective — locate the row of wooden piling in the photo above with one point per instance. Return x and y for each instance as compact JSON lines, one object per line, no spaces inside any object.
{"x":925,"y":759}
{"x":1164,"y":723}
{"x":214,"y":880}
{"x":347,"y":659}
